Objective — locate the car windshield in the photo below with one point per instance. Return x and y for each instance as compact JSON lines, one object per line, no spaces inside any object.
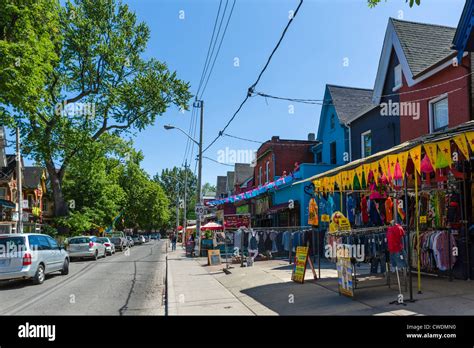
{"x":115,"y":240}
{"x":80,"y":240}
{"x":103,"y":240}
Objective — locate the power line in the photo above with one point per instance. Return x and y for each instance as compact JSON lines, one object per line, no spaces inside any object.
{"x":213,"y":160}
{"x":218,"y":48}
{"x":209,"y":49}
{"x":252,"y":87}
{"x":233,"y":136}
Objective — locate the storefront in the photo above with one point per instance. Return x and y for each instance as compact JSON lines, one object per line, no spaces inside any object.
{"x":420,"y":189}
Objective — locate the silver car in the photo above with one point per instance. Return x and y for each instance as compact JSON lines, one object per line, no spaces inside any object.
{"x":109,"y":246}
{"x":31,"y":256}
{"x":86,"y":247}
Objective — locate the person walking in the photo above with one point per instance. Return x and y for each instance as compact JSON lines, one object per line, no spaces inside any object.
{"x":173,"y":242}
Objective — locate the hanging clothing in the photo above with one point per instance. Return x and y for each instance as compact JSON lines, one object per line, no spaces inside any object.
{"x":313,"y":213}
{"x":395,"y":236}
{"x":364,"y":210}
{"x":238,"y":239}
{"x":350,"y":209}
{"x":253,"y":240}
{"x":388,"y":210}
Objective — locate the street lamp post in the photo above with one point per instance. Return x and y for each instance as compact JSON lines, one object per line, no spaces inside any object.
{"x":199,"y":104}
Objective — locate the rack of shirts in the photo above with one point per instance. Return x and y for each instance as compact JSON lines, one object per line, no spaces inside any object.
{"x":435,"y":250}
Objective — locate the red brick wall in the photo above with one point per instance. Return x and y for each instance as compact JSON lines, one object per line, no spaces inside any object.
{"x":458,"y":102}
{"x":285,"y":154}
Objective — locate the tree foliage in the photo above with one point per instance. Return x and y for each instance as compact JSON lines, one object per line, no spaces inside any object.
{"x":101,"y":84}
{"x":373,"y":3}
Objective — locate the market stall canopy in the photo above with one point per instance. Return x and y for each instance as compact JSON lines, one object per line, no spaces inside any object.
{"x":7,"y":204}
{"x":190,"y":228}
{"x":212,"y":226}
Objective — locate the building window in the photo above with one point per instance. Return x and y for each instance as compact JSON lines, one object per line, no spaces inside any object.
{"x":439,"y":117}
{"x":398,"y":77}
{"x":366,"y":142}
{"x":333,"y":152}
{"x":260,"y":175}
{"x":267,"y":171}
{"x":3,"y":192}
{"x":333,"y":121}
{"x":31,"y":200}
{"x":319,"y":157}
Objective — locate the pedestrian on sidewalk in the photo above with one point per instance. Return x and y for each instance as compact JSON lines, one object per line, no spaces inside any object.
{"x":173,"y":242}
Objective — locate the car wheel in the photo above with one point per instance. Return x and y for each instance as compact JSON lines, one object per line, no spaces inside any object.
{"x":96,"y":255}
{"x":105,"y":254}
{"x":39,"y":275}
{"x":65,"y":270}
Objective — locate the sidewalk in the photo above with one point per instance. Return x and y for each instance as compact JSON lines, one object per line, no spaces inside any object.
{"x":266,"y":289}
{"x":192,"y":290}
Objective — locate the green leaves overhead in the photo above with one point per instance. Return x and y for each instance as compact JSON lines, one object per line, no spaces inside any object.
{"x":373,"y":3}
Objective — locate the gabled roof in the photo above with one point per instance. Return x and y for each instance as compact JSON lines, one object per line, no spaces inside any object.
{"x":349,"y":101}
{"x":423,"y":44}
{"x":242,"y":172}
{"x":464,"y":38}
{"x":32,"y":177}
{"x":422,"y":49}
{"x":7,"y":172}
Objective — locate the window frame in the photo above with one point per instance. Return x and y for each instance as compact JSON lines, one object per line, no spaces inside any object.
{"x":267,"y":172}
{"x":397,"y":71}
{"x":6,"y":192}
{"x":260,"y":175}
{"x":331,"y":154}
{"x":431,"y":105}
{"x":362,"y":143}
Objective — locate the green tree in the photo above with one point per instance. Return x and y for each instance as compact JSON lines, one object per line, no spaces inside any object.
{"x":174,"y":181}
{"x":29,"y":50}
{"x":100,"y":85}
{"x":208,"y":188}
{"x":373,"y":3}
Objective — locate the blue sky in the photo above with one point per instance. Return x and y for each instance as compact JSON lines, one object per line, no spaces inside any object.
{"x":323,"y":34}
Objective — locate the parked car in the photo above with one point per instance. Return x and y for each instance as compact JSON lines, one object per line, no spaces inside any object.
{"x":86,"y":247}
{"x":130,"y":241}
{"x":137,"y":240}
{"x":146,"y":238}
{"x":109,"y":246}
{"x":120,"y":243}
{"x":142,"y":239}
{"x":31,"y":256}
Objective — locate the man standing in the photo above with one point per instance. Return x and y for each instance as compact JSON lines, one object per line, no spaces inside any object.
{"x":173,"y":242}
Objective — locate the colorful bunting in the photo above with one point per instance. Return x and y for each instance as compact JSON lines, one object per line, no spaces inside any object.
{"x":431,"y":151}
{"x":461,"y":143}
{"x":445,"y":149}
{"x":415,"y":155}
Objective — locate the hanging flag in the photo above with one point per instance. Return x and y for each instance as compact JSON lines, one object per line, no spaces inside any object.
{"x":431,"y":151}
{"x":384,"y":164}
{"x":351,"y":174}
{"x":403,"y":159}
{"x":392,"y":162}
{"x":461,"y":143}
{"x":470,"y":140}
{"x":374,"y":167}
{"x":415,"y":155}
{"x":445,"y":149}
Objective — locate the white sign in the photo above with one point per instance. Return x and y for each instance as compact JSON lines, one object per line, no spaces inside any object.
{"x":199,"y":209}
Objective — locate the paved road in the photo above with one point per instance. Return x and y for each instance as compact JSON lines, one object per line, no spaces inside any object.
{"x":121,"y":284}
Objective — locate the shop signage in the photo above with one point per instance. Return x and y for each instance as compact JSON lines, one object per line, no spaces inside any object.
{"x":213,"y":257}
{"x":344,"y":224}
{"x":236,"y":221}
{"x":325,"y":218}
{"x":301,"y":259}
{"x":423,"y":219}
{"x":243,"y":209}
{"x":261,"y":205}
{"x":344,"y":274}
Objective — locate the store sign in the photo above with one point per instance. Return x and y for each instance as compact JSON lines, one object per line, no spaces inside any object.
{"x":344,"y":274}
{"x":301,"y":259}
{"x":213,"y":257}
{"x":243,"y":209}
{"x":236,"y":221}
{"x":344,"y":224}
{"x":262,"y":205}
{"x":423,"y":219}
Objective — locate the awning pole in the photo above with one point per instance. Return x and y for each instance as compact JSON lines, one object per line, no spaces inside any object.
{"x":417,"y":217}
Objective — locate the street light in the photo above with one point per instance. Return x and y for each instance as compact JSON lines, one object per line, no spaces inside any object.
{"x":200,"y":104}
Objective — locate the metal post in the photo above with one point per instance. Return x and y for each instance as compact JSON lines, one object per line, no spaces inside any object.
{"x":185,"y":216}
{"x":177,"y":210}
{"x":199,"y":184}
{"x":19,"y":228}
{"x":409,"y":246}
{"x":466,"y":230}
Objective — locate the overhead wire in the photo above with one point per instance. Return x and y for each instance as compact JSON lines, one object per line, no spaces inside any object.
{"x":252,"y":87}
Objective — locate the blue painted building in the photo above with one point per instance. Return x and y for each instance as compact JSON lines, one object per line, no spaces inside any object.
{"x":464,"y":38}
{"x":340,"y":105}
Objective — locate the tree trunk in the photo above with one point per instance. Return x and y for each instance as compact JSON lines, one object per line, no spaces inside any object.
{"x":60,"y":206}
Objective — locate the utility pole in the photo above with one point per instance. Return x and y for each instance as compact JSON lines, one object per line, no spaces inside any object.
{"x":19,"y":225}
{"x":185,"y":217}
{"x":199,"y":184}
{"x":177,"y":208}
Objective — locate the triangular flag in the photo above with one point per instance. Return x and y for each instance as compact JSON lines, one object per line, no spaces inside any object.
{"x":374,"y":167}
{"x":359,"y":171}
{"x":415,"y":155}
{"x":470,"y":140}
{"x":431,"y":151}
{"x":384,"y":164}
{"x":392,"y":162}
{"x":403,"y":159}
{"x":442,"y":160}
{"x":445,"y":149}
{"x":461,"y":143}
